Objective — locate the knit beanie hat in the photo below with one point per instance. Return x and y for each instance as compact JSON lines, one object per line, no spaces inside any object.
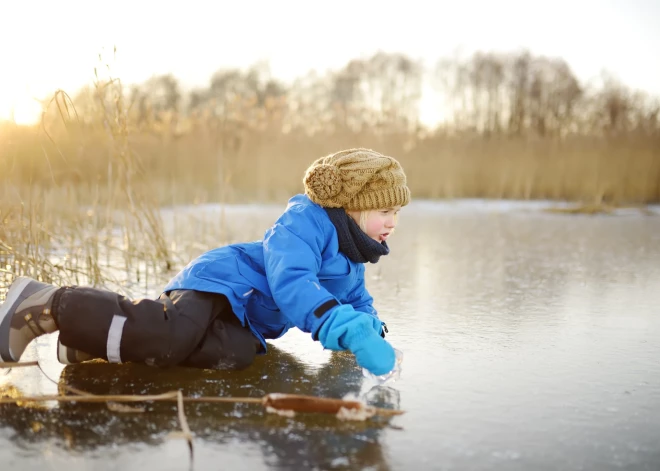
{"x":357,"y":180}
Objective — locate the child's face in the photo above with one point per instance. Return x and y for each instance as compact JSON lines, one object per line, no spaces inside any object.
{"x":379,"y":223}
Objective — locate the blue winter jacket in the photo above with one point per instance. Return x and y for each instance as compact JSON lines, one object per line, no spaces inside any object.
{"x":287,"y":279}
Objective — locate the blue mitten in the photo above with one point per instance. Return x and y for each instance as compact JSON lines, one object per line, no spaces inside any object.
{"x":348,"y":329}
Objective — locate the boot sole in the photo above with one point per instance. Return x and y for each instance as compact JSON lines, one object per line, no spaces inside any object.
{"x":14,"y":298}
{"x":63,"y":355}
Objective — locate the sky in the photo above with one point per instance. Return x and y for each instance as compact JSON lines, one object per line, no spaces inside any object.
{"x":50,"y":45}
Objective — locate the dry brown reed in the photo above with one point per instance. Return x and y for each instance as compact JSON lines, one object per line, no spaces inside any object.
{"x":79,"y":193}
{"x":267,"y":167}
{"x":106,"y":235}
{"x":276,"y":401}
{"x":284,"y":402}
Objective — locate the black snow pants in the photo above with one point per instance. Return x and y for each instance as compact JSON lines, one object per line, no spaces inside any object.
{"x":182,"y":327}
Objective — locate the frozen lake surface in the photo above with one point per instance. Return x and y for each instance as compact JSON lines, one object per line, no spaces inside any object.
{"x":531,"y":341}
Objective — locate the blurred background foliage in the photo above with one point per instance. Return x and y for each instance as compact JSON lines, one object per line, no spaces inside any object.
{"x":509,"y":125}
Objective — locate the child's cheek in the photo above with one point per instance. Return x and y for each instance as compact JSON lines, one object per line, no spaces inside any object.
{"x":373,"y":227}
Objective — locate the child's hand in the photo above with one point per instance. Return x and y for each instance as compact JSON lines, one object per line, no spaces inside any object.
{"x":348,"y":329}
{"x":372,"y":352}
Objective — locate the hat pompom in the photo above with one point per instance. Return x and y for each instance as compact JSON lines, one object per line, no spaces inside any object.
{"x":324,"y":181}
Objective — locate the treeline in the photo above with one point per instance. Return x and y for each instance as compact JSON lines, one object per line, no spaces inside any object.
{"x":512,"y":125}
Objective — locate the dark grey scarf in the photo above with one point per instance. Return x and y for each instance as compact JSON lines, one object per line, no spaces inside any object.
{"x":353,"y":242}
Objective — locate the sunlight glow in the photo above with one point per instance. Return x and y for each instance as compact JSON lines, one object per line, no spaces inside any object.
{"x":20,"y":109}
{"x":18,"y":102}
{"x":41,"y":56}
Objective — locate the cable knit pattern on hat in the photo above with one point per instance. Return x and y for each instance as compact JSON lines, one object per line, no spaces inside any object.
{"x":357,"y":179}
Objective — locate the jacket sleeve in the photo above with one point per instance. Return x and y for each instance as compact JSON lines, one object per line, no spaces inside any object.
{"x":360,"y":298}
{"x":362,"y":301}
{"x":292,"y":260}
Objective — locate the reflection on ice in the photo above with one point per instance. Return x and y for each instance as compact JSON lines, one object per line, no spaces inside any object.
{"x":530,"y":342}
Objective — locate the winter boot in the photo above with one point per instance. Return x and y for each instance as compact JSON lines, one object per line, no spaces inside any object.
{"x":24,"y":316}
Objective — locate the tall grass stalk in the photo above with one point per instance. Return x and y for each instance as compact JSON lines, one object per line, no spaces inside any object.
{"x":105,"y":234}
